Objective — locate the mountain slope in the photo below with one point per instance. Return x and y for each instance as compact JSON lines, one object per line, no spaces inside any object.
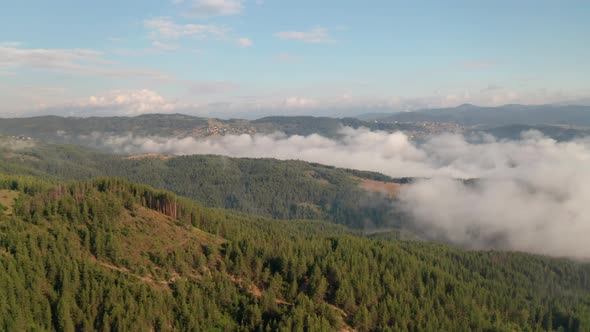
{"x":77,"y":256}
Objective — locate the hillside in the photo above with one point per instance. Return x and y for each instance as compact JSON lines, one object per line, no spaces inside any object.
{"x":112,"y":255}
{"x":264,"y":187}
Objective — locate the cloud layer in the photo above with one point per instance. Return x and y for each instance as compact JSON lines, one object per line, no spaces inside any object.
{"x":165,"y":28}
{"x":531,"y":194}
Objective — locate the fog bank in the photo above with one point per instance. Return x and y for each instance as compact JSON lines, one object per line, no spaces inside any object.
{"x":532,"y":194}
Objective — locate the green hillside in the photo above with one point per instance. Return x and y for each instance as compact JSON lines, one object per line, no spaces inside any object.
{"x":264,"y":187}
{"x":112,"y":255}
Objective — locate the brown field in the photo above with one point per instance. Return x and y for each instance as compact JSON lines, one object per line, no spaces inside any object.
{"x":7,"y":198}
{"x":314,"y":175}
{"x":388,"y":188}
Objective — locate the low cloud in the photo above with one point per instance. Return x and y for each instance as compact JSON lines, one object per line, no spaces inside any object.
{"x":541,"y":213}
{"x":530,"y":195}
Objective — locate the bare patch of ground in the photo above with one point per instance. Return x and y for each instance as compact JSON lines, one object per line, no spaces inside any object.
{"x":11,"y":155}
{"x":7,"y":198}
{"x":150,"y":155}
{"x":388,"y":188}
{"x":314,"y":175}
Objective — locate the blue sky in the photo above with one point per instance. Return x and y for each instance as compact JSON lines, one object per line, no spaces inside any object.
{"x":257,"y":57}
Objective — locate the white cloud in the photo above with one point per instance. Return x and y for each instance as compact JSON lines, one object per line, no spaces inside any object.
{"x":72,"y":61}
{"x":134,"y":101}
{"x":317,"y":35}
{"x":245,"y":42}
{"x":12,"y":56}
{"x":165,"y":28}
{"x":116,"y":102}
{"x":204,"y":8}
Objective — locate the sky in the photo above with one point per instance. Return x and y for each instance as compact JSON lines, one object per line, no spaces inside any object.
{"x":251,"y":58}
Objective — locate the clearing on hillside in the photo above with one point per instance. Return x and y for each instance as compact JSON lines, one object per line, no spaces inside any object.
{"x":150,"y":155}
{"x":388,"y":188}
{"x":7,"y":198}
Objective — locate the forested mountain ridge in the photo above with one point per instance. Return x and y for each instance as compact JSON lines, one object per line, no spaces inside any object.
{"x":472,"y":115}
{"x":74,"y":256}
{"x":266,"y":187}
{"x":70,"y":129}
{"x":506,"y":122}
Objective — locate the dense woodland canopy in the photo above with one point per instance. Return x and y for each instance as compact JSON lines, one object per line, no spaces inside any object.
{"x":81,"y":253}
{"x":108,"y":254}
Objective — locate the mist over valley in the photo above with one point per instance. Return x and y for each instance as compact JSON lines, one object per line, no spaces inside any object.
{"x":350,"y":166}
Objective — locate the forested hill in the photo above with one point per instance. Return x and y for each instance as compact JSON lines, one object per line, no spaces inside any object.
{"x":112,"y":255}
{"x":265,"y":187}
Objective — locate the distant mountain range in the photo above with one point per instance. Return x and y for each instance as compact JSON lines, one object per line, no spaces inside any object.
{"x":561,"y":122}
{"x":179,"y":125}
{"x":471,"y":115}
